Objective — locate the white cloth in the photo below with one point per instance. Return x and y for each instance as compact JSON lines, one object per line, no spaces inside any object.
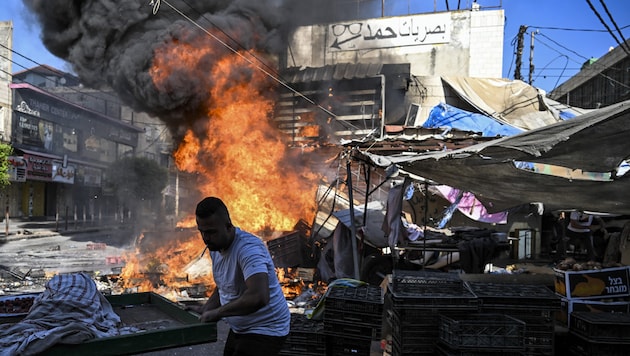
{"x":71,"y":310}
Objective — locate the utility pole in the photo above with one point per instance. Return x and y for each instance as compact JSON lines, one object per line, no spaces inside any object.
{"x":531,"y":57}
{"x":519,"y":52}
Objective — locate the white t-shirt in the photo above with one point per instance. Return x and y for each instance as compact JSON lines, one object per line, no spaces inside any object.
{"x":247,"y":256}
{"x":583,"y":221}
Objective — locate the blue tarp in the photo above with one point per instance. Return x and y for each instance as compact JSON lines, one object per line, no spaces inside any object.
{"x":444,"y":115}
{"x":566,"y":115}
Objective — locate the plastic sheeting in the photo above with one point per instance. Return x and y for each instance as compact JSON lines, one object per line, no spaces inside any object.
{"x":447,"y":116}
{"x":593,"y":142}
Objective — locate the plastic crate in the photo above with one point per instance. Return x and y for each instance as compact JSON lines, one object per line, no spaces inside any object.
{"x":306,"y":337}
{"x":365,"y":299}
{"x":601,"y":326}
{"x":436,"y":298}
{"x":581,"y":346}
{"x":404,"y":281}
{"x":332,"y":315}
{"x":515,"y":296}
{"x":445,"y":350}
{"x":353,"y":330}
{"x":347,"y":346}
{"x":287,"y":251}
{"x":482,"y":331}
{"x":413,"y":349}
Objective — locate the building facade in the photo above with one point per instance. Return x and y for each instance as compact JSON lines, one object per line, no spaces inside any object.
{"x":368,"y":74}
{"x":61,"y":152}
{"x":599,"y":83}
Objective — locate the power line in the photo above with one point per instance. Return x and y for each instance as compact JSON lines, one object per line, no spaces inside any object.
{"x":595,"y":64}
{"x":572,"y":29}
{"x":616,"y":27}
{"x":606,"y":25}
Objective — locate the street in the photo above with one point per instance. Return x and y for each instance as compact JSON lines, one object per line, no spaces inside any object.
{"x":27,"y":262}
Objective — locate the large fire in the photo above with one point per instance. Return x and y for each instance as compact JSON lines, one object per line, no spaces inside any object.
{"x":236,"y":152}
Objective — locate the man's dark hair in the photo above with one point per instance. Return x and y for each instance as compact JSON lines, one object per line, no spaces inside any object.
{"x":210,"y":206}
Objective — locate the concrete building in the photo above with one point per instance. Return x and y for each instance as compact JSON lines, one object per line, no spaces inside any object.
{"x":64,"y":138}
{"x":6,"y":42}
{"x":600,"y":82}
{"x":368,"y":74}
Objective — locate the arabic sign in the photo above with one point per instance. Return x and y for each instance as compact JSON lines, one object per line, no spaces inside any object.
{"x":38,"y":167}
{"x":62,"y":174}
{"x":390,"y":32}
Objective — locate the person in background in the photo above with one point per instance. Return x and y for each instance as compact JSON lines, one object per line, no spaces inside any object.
{"x":247,"y":294}
{"x":579,"y":233}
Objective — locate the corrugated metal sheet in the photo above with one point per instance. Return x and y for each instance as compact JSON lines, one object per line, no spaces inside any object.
{"x":332,"y":72}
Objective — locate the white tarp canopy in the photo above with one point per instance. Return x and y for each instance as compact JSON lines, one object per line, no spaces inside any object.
{"x":598,"y":141}
{"x":512,"y":102}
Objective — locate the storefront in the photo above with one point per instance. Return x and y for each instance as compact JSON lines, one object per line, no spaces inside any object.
{"x":61,"y":152}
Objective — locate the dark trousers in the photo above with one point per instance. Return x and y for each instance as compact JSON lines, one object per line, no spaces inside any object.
{"x":579,"y":239}
{"x":252,"y":344}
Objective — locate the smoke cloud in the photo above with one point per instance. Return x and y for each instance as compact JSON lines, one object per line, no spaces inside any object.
{"x":111,"y":43}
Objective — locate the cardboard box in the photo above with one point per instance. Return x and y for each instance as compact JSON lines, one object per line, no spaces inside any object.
{"x":568,"y":306}
{"x":593,"y":284}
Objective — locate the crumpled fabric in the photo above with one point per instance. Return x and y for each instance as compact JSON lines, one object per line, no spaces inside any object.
{"x":71,"y":310}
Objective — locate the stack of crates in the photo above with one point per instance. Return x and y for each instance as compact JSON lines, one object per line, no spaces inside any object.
{"x":417,"y":300}
{"x":594,"y":334}
{"x":535,"y":305}
{"x":352,"y":319}
{"x":481,"y":334}
{"x":306,"y":337}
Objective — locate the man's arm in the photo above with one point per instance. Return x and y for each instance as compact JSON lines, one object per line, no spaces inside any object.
{"x":212,"y":303}
{"x":256,"y":296}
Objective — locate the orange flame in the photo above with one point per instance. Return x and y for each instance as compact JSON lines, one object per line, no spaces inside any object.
{"x":243,"y":158}
{"x":235,"y":150}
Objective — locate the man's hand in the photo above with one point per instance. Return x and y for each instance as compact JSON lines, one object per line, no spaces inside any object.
{"x":210,"y":316}
{"x":195,"y":308}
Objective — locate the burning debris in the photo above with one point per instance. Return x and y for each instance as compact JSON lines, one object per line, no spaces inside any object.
{"x":206,"y":70}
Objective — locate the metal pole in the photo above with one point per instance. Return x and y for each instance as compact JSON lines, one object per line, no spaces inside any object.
{"x":6,"y":220}
{"x":531,"y":58}
{"x":353,"y":229}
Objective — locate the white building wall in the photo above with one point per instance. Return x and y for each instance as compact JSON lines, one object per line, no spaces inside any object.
{"x":458,"y":43}
{"x":486,"y":36}
{"x":6,"y":39}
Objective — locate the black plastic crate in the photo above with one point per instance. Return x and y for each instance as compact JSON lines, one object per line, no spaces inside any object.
{"x":302,"y":350}
{"x":445,"y":350}
{"x":335,"y":315}
{"x":437,"y":298}
{"x":601,"y":326}
{"x":306,"y":337}
{"x":405,"y":281}
{"x":366,"y":299}
{"x":515,"y":296}
{"x":353,"y":330}
{"x":581,"y":346}
{"x":287,"y":251}
{"x":427,"y":347}
{"x":306,"y":331}
{"x":347,"y":346}
{"x":482,"y":331}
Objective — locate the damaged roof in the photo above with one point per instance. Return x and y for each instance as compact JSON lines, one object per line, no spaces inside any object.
{"x":595,"y":142}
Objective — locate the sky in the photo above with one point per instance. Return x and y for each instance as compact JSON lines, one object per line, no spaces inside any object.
{"x":567,"y":33}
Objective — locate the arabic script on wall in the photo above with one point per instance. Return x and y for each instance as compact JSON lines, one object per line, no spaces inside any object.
{"x":390,"y":32}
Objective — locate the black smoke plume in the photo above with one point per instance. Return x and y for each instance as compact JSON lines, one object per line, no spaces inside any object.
{"x":111,"y":44}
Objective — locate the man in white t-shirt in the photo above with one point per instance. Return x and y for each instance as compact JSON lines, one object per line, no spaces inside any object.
{"x":247,"y":295}
{"x":579,"y":234}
